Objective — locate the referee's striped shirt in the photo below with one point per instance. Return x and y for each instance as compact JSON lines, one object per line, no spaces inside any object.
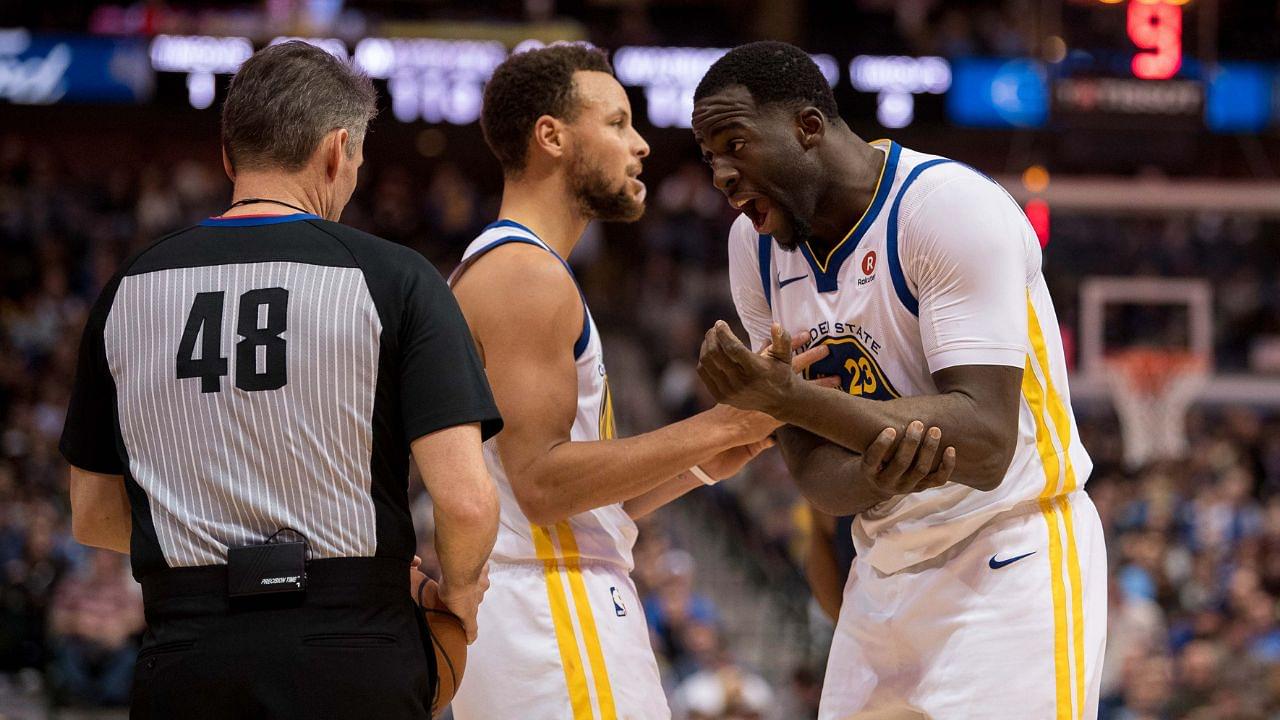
{"x":258,"y":372}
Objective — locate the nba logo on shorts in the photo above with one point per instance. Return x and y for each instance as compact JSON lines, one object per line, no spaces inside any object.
{"x":618,"y":608}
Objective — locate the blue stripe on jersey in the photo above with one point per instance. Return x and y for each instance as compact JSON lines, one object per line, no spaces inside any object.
{"x":249,"y":221}
{"x":584,"y":337}
{"x":895,"y":263}
{"x":508,"y":223}
{"x":827,"y":279}
{"x":766,"y":259}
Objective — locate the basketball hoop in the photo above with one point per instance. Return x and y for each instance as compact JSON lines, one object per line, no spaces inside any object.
{"x":1153,"y":388}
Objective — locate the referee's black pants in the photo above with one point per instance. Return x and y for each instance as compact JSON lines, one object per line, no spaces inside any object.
{"x":352,"y":647}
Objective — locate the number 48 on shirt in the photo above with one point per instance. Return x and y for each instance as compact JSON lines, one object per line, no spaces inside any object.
{"x":262,"y":316}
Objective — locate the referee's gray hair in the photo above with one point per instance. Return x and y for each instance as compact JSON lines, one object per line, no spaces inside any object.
{"x":283,"y":101}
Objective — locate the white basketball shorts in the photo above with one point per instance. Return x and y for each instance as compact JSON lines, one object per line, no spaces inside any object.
{"x":561,"y":640}
{"x":1010,"y":624}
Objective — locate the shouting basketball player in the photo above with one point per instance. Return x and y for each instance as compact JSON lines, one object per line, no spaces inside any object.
{"x":562,"y":633}
{"x":986,"y":596}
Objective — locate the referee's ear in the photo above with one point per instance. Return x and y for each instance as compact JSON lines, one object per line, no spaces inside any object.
{"x":334,"y":147}
{"x":227,"y":167}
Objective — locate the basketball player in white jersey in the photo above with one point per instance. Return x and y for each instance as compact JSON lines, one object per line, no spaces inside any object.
{"x":985,"y":597}
{"x":563,"y":634}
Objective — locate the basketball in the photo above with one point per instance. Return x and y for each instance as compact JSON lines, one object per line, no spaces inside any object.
{"x":448,"y":638}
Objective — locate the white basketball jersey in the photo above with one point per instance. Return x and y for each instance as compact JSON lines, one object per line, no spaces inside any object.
{"x":942,"y":269}
{"x":605,"y":533}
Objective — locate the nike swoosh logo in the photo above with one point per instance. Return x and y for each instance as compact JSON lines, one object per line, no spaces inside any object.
{"x":783,"y":283}
{"x":995,"y":564}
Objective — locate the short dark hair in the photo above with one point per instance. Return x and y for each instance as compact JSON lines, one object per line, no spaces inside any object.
{"x":773,"y":72}
{"x":285,"y":98}
{"x":527,"y":86}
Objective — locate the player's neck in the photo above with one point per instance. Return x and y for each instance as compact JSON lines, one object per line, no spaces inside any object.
{"x":855,"y":173}
{"x":547,"y":209}
{"x":282,"y":187}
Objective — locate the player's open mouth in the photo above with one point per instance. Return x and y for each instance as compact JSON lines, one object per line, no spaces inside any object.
{"x":637,"y":188}
{"x":758,"y":208}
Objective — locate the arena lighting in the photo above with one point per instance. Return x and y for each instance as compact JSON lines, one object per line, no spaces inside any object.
{"x":199,"y":53}
{"x":201,"y":89}
{"x":895,"y":79}
{"x":429,"y":79}
{"x":1037,"y":212}
{"x":876,"y":73}
{"x":669,"y":76}
{"x":384,"y":58}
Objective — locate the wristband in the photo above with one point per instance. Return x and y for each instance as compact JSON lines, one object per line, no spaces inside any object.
{"x":703,"y":476}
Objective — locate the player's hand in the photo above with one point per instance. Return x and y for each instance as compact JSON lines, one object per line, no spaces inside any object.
{"x":800,"y":361}
{"x":750,"y":381}
{"x":728,"y":463}
{"x":908,"y":466}
{"x":464,"y":600}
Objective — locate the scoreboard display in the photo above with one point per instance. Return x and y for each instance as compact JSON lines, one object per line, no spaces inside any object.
{"x":1126,"y":63}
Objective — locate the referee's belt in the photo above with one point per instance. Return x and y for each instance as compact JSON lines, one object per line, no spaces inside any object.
{"x":356,"y":579}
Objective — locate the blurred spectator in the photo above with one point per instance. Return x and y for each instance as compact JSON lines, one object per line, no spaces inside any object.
{"x":94,"y":626}
{"x":683,"y":621}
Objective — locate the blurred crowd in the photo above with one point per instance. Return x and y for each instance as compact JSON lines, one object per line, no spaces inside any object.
{"x":1194,"y":546}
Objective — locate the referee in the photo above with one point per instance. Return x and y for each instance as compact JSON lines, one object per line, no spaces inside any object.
{"x":248,"y":393}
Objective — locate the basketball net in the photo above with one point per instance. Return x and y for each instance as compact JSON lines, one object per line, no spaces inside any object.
{"x":1152,"y":390}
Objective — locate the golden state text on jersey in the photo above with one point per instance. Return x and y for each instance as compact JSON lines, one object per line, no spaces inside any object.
{"x":852,"y":358}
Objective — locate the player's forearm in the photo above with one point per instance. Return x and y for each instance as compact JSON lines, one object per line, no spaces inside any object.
{"x":574,"y":477}
{"x":466,"y":528}
{"x":828,"y":475}
{"x":823,"y":573}
{"x":982,"y":451}
{"x":638,"y":507}
{"x":100,"y":515}
{"x":114,"y":536}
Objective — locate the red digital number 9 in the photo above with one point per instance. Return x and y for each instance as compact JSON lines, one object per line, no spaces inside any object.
{"x":1156,"y":27}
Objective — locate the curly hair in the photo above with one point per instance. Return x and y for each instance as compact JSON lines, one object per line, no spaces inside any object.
{"x":773,"y":72}
{"x":527,"y":86}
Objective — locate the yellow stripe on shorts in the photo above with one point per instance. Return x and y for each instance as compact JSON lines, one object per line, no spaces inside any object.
{"x":1049,"y":460}
{"x":1061,"y":652}
{"x":1062,"y":422}
{"x":1077,"y":602}
{"x":575,"y":677}
{"x":599,"y":673}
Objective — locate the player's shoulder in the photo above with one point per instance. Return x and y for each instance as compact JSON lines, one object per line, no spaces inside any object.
{"x":510,"y":273}
{"x":921,"y":173}
{"x":933,"y":185}
{"x":514,"y":262}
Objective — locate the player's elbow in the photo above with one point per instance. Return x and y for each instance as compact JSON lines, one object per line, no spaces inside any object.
{"x":539,"y":505}
{"x":993,"y":463}
{"x":833,"y":504}
{"x":473,"y":506}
